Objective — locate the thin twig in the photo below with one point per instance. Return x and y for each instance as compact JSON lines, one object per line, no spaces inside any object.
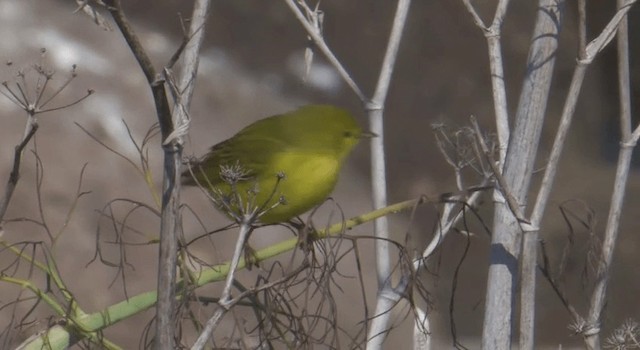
{"x":115,"y":8}
{"x":226,"y":302}
{"x":504,"y":190}
{"x":546,"y":272}
{"x":447,"y":222}
{"x":89,"y":93}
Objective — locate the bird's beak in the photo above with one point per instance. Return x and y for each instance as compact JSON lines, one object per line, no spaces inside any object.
{"x":368,"y":135}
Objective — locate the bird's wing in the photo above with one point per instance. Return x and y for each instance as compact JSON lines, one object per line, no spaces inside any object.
{"x":244,"y":155}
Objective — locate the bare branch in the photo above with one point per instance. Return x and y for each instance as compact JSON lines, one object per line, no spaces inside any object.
{"x":115,"y":8}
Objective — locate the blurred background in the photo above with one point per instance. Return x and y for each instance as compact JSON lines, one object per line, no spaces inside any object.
{"x":252,"y":66}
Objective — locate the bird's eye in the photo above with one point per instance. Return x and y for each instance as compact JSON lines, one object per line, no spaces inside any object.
{"x":348,"y":134}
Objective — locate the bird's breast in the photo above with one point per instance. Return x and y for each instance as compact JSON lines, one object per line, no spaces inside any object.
{"x":307,"y":174}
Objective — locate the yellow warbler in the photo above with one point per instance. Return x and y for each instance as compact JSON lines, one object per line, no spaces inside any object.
{"x":282,"y":165}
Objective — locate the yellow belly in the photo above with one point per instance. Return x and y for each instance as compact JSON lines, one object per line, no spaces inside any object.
{"x":308,"y":180}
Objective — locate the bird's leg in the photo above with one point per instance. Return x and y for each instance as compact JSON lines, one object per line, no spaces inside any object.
{"x":305,"y":232}
{"x":250,"y":258}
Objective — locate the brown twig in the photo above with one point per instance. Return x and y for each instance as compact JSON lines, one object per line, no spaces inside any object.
{"x":169,"y":222}
{"x":14,"y":176}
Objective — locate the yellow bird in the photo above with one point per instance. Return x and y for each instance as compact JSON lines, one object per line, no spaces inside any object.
{"x":281,"y":166}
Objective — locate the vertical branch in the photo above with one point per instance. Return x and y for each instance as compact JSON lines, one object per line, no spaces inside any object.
{"x":586,"y":55}
{"x":183,"y":92}
{"x":623,"y":74}
{"x":582,"y":26}
{"x":375,"y":108}
{"x":172,"y":145}
{"x":389,"y":62}
{"x":378,"y":168}
{"x":592,"y":334}
{"x":167,"y":260}
{"x":492,"y":34}
{"x":530,"y":240}
{"x":523,"y":144}
{"x":497,"y":80}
